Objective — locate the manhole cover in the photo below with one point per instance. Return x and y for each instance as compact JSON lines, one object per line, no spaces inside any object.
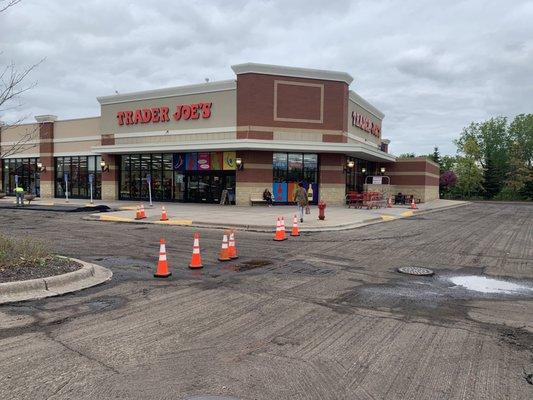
{"x":416,"y":271}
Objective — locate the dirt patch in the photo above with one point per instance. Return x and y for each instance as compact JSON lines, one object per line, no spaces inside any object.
{"x":53,"y":266}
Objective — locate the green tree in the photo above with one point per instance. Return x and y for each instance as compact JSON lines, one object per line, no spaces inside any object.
{"x":519,"y":182}
{"x":487,"y":144}
{"x":448,"y":163}
{"x":435,"y":156}
{"x":407,"y":155}
{"x":469,"y":177}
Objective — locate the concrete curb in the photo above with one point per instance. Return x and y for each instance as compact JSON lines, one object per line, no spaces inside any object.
{"x":87,"y":276}
{"x":261,"y":228}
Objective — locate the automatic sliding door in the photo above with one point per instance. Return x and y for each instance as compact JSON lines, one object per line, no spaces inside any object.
{"x":192,"y":188}
{"x":204,"y":188}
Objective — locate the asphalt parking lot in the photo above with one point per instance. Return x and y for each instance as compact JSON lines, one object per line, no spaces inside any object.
{"x":323,"y":316}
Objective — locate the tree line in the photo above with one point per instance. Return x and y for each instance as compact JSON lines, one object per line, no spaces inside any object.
{"x":494,"y":161}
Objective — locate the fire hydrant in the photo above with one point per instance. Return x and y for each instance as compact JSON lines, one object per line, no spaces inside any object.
{"x":321,"y":210}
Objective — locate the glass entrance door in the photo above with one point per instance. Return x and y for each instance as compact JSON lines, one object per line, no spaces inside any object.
{"x":204,"y":188}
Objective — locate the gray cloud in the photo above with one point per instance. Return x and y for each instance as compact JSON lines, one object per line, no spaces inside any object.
{"x":431,"y":67}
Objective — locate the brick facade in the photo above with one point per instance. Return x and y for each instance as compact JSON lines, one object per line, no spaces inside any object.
{"x":272,"y":101}
{"x":46,"y":150}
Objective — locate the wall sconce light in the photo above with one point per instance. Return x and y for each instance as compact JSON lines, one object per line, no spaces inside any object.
{"x":382,"y":169}
{"x":238,"y":163}
{"x":104,"y":166}
{"x":363,"y":170}
{"x":349,"y":166}
{"x":41,"y":167}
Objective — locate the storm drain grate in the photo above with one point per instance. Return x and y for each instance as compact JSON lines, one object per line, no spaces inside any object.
{"x":419,"y":271}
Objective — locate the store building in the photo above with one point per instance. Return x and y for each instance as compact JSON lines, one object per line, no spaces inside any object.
{"x":270,"y":127}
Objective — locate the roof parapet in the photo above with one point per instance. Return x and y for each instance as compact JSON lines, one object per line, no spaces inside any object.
{"x":268,"y":69}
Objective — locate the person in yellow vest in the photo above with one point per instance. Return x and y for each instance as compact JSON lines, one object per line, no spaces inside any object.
{"x":19,"y":192}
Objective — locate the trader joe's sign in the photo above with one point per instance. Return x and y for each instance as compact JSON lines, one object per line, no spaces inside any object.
{"x":155,"y":115}
{"x":365,"y":124}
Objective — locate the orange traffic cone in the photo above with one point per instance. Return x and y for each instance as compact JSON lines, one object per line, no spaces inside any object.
{"x":280,"y":233}
{"x":232,"y":249}
{"x":143,"y":214}
{"x":196,"y":260}
{"x":389,"y":202}
{"x":224,"y":253}
{"x":162,"y":265}
{"x":138,"y":213}
{"x":295,"y":231}
{"x":164,"y":216}
{"x":413,"y":204}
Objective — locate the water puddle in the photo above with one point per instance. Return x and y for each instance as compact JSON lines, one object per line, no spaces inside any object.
{"x":483,"y":284}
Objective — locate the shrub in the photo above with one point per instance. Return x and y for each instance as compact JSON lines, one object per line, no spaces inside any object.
{"x":25,"y":251}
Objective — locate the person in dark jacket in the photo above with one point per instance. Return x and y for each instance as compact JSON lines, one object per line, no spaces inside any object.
{"x":267,"y":196}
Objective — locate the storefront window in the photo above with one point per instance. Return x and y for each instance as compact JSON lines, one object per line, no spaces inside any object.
{"x":125,"y":182}
{"x":279,"y":167}
{"x":289,"y":169}
{"x":77,"y":169}
{"x":310,"y":168}
{"x":195,"y":177}
{"x":25,"y":169}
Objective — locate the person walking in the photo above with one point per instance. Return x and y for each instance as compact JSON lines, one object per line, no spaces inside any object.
{"x":300,"y":197}
{"x":19,"y":192}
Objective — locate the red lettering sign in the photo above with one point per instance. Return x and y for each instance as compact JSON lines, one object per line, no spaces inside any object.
{"x":161,"y":114}
{"x":366,"y":124}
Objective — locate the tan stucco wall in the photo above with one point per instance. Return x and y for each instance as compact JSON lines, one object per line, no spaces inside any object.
{"x":307,"y":135}
{"x":245,"y":190}
{"x":15,"y":133}
{"x":332,"y":194}
{"x":223,"y":113}
{"x":109,"y":190}
{"x":354,"y":130}
{"x":75,"y":128}
{"x":47,"y":190}
{"x":75,"y":147}
{"x":196,"y":137}
{"x":424,"y":193}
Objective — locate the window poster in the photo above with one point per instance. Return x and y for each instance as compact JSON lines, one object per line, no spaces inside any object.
{"x":292,"y":188}
{"x":178,"y":162}
{"x":229,"y":160}
{"x":312,"y":192}
{"x":217,"y":159}
{"x":191,"y":160}
{"x":279,"y":191}
{"x":203,"y":162}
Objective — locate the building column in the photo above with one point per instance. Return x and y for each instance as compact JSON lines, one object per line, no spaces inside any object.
{"x":110,"y":177}
{"x":254,"y":177}
{"x":1,"y":164}
{"x":46,"y":154}
{"x":332,"y":179}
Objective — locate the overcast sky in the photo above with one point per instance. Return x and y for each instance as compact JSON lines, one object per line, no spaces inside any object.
{"x":431,"y":67}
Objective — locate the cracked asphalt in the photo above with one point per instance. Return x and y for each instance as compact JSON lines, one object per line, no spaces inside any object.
{"x":323,"y":316}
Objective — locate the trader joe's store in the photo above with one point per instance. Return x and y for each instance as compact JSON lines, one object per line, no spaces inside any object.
{"x":270,"y":127}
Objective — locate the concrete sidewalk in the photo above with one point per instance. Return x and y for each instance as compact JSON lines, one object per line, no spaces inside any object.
{"x":262,"y":218}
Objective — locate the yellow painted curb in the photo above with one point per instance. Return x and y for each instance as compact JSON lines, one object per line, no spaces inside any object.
{"x":407,"y":214}
{"x":128,"y":208}
{"x":388,"y":217}
{"x":175,"y":222}
{"x":114,"y":218}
